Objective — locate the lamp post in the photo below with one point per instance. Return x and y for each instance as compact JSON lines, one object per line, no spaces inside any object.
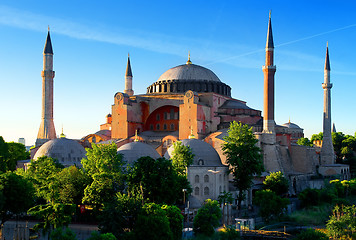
{"x":184,"y":191}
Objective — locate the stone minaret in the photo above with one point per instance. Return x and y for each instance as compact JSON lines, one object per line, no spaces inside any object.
{"x":268,"y":71}
{"x":128,"y":78}
{"x":47,"y":130}
{"x":327,"y":149}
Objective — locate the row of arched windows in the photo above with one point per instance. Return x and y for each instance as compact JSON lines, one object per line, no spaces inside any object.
{"x":206,"y":178}
{"x":197,"y":191}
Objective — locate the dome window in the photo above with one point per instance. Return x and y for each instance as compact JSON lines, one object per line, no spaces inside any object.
{"x":200,"y":162}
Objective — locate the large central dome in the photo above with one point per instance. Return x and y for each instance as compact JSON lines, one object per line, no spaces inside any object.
{"x":190,"y":72}
{"x":189,"y":77}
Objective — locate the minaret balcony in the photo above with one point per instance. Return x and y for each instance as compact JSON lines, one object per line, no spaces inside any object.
{"x":327,"y":85}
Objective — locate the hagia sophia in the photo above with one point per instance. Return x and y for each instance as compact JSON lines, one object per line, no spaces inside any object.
{"x":189,"y":103}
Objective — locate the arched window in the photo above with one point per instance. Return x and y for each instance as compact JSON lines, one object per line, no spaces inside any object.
{"x":196,"y":191}
{"x":151,"y":127}
{"x":172,"y":126}
{"x":206,"y":191}
{"x":200,"y":162}
{"x":206,"y":178}
{"x":157,"y":126}
{"x":220,"y":178}
{"x":164,"y":126}
{"x":157,"y":117}
{"x":220,"y":189}
{"x":196,"y":178}
{"x":165,"y":115}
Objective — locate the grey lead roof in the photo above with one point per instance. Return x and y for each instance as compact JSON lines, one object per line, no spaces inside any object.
{"x":327,"y":63}
{"x":48,"y":45}
{"x":269,"y":43}
{"x":234,"y":104}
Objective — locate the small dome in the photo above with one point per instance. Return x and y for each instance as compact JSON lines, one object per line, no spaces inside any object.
{"x":66,"y":151}
{"x":135,"y":150}
{"x":291,"y":125}
{"x":204,"y":153}
{"x":189,"y":72}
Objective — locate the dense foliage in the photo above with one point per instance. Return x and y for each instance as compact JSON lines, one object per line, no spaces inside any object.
{"x":182,"y":157}
{"x":271,"y":206}
{"x":207,"y":218}
{"x":10,"y":153}
{"x":311,"y":234}
{"x":342,"y":223}
{"x":277,"y":183}
{"x":243,"y":156}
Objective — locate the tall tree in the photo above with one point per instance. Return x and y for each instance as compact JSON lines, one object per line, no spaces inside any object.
{"x":156,"y":180}
{"x":16,"y":196}
{"x":182,"y":157}
{"x":17,"y":151}
{"x":305,"y":142}
{"x":43,"y":173}
{"x":105,"y":168}
{"x":4,"y":155}
{"x":243,"y":156}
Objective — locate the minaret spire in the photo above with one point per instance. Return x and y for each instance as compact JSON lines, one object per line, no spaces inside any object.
{"x":327,"y":149}
{"x":128,"y":78}
{"x":47,"y":130}
{"x":269,"y":70}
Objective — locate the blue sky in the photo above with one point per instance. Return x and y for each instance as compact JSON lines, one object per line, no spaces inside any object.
{"x":91,"y":41}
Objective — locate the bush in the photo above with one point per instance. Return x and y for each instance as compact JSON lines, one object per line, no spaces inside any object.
{"x":207,"y":218}
{"x":229,"y":233}
{"x":277,"y":183}
{"x":311,"y":234}
{"x":59,"y":234}
{"x":271,"y":205}
{"x":309,"y":197}
{"x":342,"y":223}
{"x":105,"y":236}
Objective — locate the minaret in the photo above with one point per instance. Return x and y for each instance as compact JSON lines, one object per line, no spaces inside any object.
{"x":47,"y":130}
{"x":327,"y":149}
{"x":128,"y":78}
{"x":268,"y":71}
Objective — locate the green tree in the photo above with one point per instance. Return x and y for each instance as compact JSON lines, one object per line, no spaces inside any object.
{"x":271,"y":205}
{"x":182,"y":157}
{"x":16,"y":196}
{"x":243,"y":156}
{"x":43,"y":173}
{"x":175,"y":219}
{"x":156,"y":180}
{"x":104,"y":236}
{"x":207,"y":218}
{"x":120,"y":214}
{"x":152,"y":224}
{"x":4,"y":155}
{"x":63,"y":234}
{"x":277,"y":183}
{"x":17,"y":151}
{"x":53,"y":215}
{"x":105,"y":168}
{"x":311,"y":234}
{"x":316,"y":137}
{"x":71,"y":184}
{"x":342,"y":223}
{"x":305,"y":142}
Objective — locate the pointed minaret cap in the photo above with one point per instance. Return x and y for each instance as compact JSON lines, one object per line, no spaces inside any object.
{"x":269,"y":43}
{"x":62,"y":134}
{"x":327,"y":63}
{"x":48,"y":46}
{"x":128,"y":67}
{"x":334,"y":128}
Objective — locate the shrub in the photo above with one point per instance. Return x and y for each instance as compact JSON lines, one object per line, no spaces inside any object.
{"x":271,"y":205}
{"x":311,"y":234}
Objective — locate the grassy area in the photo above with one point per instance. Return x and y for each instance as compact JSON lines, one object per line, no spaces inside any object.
{"x":316,"y":215}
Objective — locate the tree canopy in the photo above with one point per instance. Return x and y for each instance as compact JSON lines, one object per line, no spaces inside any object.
{"x":182,"y":157}
{"x":207,"y":218}
{"x":243,"y":156}
{"x":277,"y":183}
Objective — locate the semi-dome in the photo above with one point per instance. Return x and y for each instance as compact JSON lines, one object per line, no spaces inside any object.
{"x":186,"y":77}
{"x":189,"y":72}
{"x":291,"y":125}
{"x":135,"y":150}
{"x":66,"y":151}
{"x":204,"y":153}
